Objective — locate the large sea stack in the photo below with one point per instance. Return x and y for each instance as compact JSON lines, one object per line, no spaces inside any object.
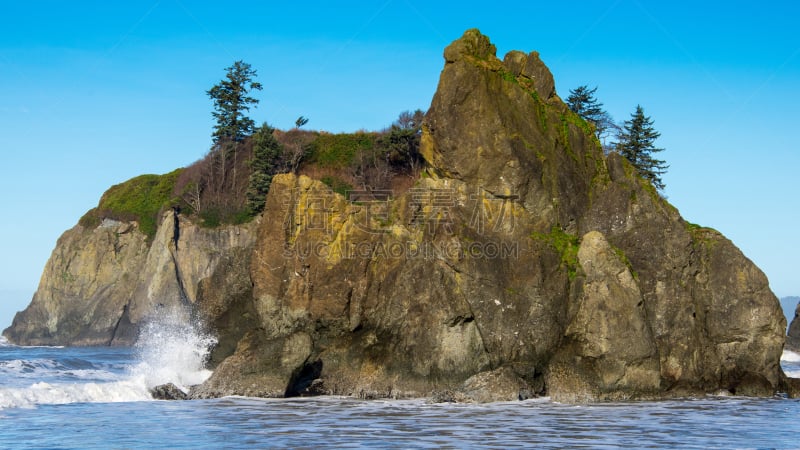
{"x":524,"y":261}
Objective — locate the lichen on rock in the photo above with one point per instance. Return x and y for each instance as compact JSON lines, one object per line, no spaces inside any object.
{"x":523,"y":262}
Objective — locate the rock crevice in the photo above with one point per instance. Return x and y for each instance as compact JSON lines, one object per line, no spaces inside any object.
{"x":524,"y":261}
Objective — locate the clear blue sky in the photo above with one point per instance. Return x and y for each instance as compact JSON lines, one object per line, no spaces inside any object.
{"x":94,"y":93}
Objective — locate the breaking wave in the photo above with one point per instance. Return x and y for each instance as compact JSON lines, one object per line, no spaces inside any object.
{"x":170,"y":349}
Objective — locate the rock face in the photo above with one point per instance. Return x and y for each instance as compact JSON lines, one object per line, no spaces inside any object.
{"x":608,"y":350}
{"x":83,"y":292}
{"x":522,"y":262}
{"x":793,"y":335}
{"x":524,"y":255}
{"x":101,"y":284}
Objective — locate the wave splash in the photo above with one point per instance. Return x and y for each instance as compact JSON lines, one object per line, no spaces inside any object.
{"x":170,"y":349}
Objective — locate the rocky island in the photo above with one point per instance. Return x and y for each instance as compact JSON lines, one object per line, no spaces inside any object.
{"x":523,"y":261}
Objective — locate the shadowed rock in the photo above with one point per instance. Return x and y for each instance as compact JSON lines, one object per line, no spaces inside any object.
{"x":168,"y":392}
{"x":523,"y":261}
{"x":609,"y":293}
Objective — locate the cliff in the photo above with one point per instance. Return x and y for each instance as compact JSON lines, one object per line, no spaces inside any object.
{"x":522,"y":262}
{"x":84,"y":289}
{"x":101,"y":284}
{"x":523,"y":254}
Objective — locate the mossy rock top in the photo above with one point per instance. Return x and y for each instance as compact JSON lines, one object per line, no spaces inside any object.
{"x":472,"y":43}
{"x":139,"y":199}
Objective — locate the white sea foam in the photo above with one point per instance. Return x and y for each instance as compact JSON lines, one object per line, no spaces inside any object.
{"x":51,"y":394}
{"x":171,"y":349}
{"x":790,"y":356}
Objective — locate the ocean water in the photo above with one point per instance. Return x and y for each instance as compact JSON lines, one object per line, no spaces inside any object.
{"x":84,"y":398}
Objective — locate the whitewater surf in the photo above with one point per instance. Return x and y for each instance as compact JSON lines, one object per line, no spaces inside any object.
{"x":169,"y":350}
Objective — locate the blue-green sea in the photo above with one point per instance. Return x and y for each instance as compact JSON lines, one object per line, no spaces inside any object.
{"x":98,"y":397}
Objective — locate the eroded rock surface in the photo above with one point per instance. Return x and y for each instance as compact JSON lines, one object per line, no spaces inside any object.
{"x":101,"y":284}
{"x":523,"y":262}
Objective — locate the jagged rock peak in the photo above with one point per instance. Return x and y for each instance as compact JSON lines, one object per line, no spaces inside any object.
{"x":532,"y":68}
{"x":500,"y":127}
{"x":603,"y":291}
{"x":472,"y":43}
{"x":476,"y":47}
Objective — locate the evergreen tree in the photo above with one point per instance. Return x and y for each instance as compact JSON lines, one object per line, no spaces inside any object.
{"x":231,"y":101}
{"x":582,"y":102}
{"x":637,"y":144}
{"x":265,"y":163}
{"x":402,"y":141}
{"x":300,"y":121}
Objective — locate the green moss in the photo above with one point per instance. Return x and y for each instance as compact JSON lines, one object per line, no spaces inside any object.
{"x":624,"y":258}
{"x":570,"y":118}
{"x":699,"y":229}
{"x":478,"y":45}
{"x":692,"y":226}
{"x":339,"y":150}
{"x":539,"y":155}
{"x":384,"y":222}
{"x":601,"y":177}
{"x":541,"y":109}
{"x":588,"y":129}
{"x":703,"y":237}
{"x":337,"y":184}
{"x":578,"y":121}
{"x":91,"y":219}
{"x":565,"y":244}
{"x":564,"y":131}
{"x":140,"y":199}
{"x":508,"y":76}
{"x":67,"y":277}
{"x":651,"y":190}
{"x":215,"y":217}
{"x":242,"y":216}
